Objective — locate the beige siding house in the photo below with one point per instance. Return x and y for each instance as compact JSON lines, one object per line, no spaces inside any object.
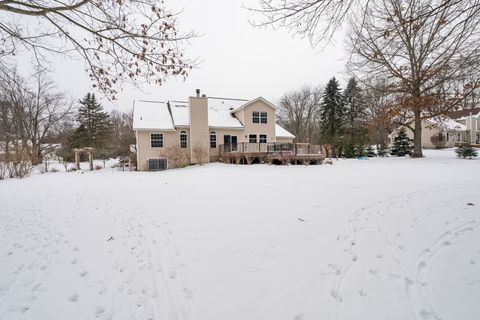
{"x":176,"y":133}
{"x":452,"y":131}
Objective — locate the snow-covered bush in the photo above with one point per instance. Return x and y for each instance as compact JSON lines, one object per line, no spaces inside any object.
{"x":466,"y":151}
{"x":402,"y":145}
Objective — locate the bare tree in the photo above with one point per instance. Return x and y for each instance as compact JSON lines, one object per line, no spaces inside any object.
{"x":299,"y":113}
{"x":317,"y":20}
{"x":123,"y":135}
{"x":379,"y":105}
{"x":119,"y":40}
{"x":422,"y":56}
{"x":29,"y":114}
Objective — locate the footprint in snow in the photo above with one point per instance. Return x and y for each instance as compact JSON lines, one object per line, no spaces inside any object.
{"x":172,"y":274}
{"x":73,"y":297}
{"x":187,"y":293}
{"x":299,"y":316}
{"x":374,"y":272}
{"x":98,"y":310}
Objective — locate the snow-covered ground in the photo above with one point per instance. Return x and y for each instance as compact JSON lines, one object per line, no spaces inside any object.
{"x":379,"y":239}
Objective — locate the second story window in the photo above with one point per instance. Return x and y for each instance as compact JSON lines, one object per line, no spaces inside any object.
{"x":213,"y":140}
{"x":263,"y":117}
{"x":252,"y":138}
{"x":156,"y":140}
{"x":256,"y":117}
{"x":183,"y":140}
{"x":259,"y":117}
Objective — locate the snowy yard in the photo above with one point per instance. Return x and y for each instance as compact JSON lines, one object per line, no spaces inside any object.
{"x":379,"y":239}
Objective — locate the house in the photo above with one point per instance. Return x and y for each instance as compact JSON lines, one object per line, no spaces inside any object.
{"x":450,"y":131}
{"x":471,"y":119}
{"x":176,"y":133}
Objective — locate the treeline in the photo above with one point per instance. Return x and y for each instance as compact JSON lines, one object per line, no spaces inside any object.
{"x":38,"y":121}
{"x":348,"y":121}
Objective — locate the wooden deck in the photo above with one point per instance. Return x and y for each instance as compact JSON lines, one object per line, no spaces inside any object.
{"x":272,"y":153}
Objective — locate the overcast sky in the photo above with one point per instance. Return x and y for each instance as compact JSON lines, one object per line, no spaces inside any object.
{"x":236,"y":59}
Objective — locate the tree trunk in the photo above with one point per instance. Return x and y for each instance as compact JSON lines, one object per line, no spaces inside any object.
{"x":417,"y":136}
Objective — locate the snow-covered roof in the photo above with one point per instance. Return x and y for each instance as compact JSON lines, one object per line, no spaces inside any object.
{"x":282,"y":133}
{"x":180,"y":114}
{"x":447,"y":123}
{"x":247,"y":102}
{"x":148,"y":115}
{"x":220,"y":112}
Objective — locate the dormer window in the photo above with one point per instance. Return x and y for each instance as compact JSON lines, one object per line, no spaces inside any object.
{"x":259,"y":117}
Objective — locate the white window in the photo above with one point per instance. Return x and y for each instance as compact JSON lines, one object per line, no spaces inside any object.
{"x":156,"y":140}
{"x":183,"y":140}
{"x":263,"y":138}
{"x":213,"y":140}
{"x":259,"y":117}
{"x":252,"y":138}
{"x":256,"y":117}
{"x":263,"y":117}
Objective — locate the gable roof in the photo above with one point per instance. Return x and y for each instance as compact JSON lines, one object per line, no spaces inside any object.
{"x":282,"y":133}
{"x":446,"y":123}
{"x":220,"y":112}
{"x":253,"y":101}
{"x":159,"y":115}
{"x":464,"y":113}
{"x":151,"y":115}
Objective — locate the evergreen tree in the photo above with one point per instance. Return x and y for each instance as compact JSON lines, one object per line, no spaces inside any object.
{"x":355,"y":114}
{"x":402,"y":145}
{"x":371,"y":152}
{"x":332,"y":113}
{"x":94,"y":125}
{"x":382,"y":151}
{"x":466,"y":151}
{"x":355,"y":107}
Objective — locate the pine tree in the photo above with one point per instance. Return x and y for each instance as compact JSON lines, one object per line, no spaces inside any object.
{"x":371,"y":152}
{"x":402,"y":145}
{"x":382,"y":151}
{"x":355,"y":115}
{"x":466,"y":151}
{"x":94,"y":125}
{"x":332,"y":112}
{"x":355,"y":107}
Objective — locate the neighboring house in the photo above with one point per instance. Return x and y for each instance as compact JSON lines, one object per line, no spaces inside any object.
{"x":471,"y":119}
{"x":452,"y":131}
{"x":175,"y":133}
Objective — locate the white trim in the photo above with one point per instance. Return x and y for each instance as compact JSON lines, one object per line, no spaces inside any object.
{"x":180,"y":139}
{"x":253,"y":101}
{"x":163,"y":139}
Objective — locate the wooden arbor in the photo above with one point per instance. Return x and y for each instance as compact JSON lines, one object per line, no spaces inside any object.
{"x":90,"y":157}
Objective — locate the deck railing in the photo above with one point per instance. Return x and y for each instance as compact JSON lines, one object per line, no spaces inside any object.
{"x":271,"y":148}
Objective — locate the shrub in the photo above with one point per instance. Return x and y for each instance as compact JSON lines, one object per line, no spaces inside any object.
{"x":402,"y":145}
{"x":466,"y":151}
{"x":439,"y":140}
